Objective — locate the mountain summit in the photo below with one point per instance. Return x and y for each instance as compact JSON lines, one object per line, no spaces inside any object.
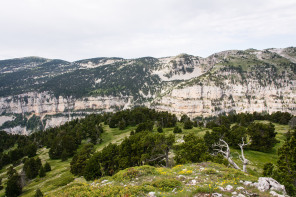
{"x":53,"y":91}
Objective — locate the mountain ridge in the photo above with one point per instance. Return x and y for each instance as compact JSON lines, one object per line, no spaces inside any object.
{"x":228,"y":81}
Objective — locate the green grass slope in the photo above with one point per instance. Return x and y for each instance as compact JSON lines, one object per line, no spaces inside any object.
{"x":139,"y":181}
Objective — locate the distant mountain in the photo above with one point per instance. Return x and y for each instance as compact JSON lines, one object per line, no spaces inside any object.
{"x":54,"y":91}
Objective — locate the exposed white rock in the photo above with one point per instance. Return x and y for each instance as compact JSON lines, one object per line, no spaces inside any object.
{"x":56,"y":121}
{"x":151,"y":194}
{"x":247,"y":183}
{"x":267,"y":183}
{"x":208,"y":100}
{"x":207,"y":88}
{"x":104,"y":181}
{"x":181,"y":176}
{"x":4,"y":119}
{"x":273,"y":193}
{"x":17,"y":130}
{"x":45,"y":103}
{"x":229,"y":188}
{"x":217,"y":195}
{"x":221,"y":188}
{"x":90,"y":64}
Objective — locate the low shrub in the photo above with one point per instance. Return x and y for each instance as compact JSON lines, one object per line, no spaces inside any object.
{"x":166,"y":184}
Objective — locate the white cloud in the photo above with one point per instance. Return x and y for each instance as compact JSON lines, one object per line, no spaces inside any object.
{"x":77,"y":29}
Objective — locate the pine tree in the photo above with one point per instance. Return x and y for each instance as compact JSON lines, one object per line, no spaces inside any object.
{"x":92,"y":169}
{"x":31,"y":167}
{"x":121,"y":125}
{"x":47,"y":167}
{"x":287,"y":166}
{"x":64,"y":155}
{"x":10,"y":172}
{"x":267,"y":169}
{"x":159,"y":130}
{"x":262,"y":136}
{"x":195,"y":123}
{"x":13,"y":188}
{"x":30,"y":150}
{"x":188,"y":124}
{"x":42,"y":172}
{"x":38,"y":193}
{"x":177,"y":130}
{"x":1,"y":186}
{"x":193,"y":149}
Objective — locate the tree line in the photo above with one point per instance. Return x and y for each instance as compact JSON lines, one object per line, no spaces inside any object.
{"x":143,"y":146}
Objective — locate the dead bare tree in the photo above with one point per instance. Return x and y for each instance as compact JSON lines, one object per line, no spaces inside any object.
{"x":223,"y":148}
{"x":242,"y":156}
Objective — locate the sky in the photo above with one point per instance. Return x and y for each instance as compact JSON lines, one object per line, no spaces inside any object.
{"x":80,"y":29}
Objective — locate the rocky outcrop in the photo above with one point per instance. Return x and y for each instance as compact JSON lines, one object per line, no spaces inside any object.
{"x":47,"y":106}
{"x":45,"y":103}
{"x":268,"y":184}
{"x":212,"y":99}
{"x":228,"y":81}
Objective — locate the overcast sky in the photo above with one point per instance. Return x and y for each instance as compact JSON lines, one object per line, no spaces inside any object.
{"x":80,"y":29}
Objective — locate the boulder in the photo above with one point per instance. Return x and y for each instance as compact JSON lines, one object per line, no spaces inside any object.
{"x":267,"y":183}
{"x":229,"y":187}
{"x":247,"y":183}
{"x":151,"y":194}
{"x":273,"y":193}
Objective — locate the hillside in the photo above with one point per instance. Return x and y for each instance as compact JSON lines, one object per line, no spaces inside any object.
{"x":191,"y":179}
{"x":56,"y":91}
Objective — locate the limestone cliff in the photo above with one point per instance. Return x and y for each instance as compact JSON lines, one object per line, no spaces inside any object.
{"x":55,"y":91}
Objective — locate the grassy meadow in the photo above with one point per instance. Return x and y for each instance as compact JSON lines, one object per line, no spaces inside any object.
{"x":176,"y":181}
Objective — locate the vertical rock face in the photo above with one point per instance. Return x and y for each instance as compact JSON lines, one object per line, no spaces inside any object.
{"x":52,"y":110}
{"x":45,"y":103}
{"x":212,"y":99}
{"x":51,"y":92}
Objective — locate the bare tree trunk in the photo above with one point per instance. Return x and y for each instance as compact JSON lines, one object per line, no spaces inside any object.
{"x":223,"y":148}
{"x":242,"y":157}
{"x":225,"y":151}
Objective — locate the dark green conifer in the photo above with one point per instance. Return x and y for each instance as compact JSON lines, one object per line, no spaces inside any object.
{"x":38,"y":193}
{"x":159,"y":130}
{"x":13,"y":188}
{"x":42,"y":172}
{"x":47,"y":167}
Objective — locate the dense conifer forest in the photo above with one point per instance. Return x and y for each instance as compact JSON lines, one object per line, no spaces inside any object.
{"x":150,"y":138}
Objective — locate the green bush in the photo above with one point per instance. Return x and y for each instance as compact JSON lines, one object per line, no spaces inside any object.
{"x":188,"y":124}
{"x":267,"y":169}
{"x":159,"y":130}
{"x":166,"y":184}
{"x":13,"y":188}
{"x":177,"y":130}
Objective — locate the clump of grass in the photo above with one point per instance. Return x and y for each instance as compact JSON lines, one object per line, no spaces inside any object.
{"x":135,"y":172}
{"x":210,"y":171}
{"x":167,"y":184}
{"x":106,"y":190}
